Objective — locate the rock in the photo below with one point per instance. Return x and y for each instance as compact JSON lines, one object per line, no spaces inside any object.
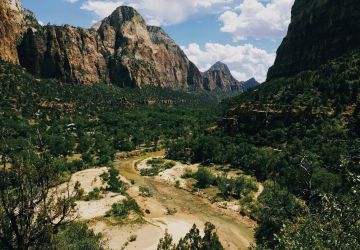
{"x":219,"y":77}
{"x":122,"y":50}
{"x":320,"y":30}
{"x":14,"y":20}
{"x":63,"y":52}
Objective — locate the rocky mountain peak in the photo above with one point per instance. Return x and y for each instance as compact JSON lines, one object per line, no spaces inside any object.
{"x":123,"y":15}
{"x":219,"y":77}
{"x":122,"y":50}
{"x":220,"y":66}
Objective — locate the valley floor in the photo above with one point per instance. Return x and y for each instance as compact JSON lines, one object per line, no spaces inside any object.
{"x":234,"y":230}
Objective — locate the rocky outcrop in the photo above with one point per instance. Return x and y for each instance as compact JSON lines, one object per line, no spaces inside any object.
{"x":122,"y":50}
{"x":219,"y":77}
{"x":14,"y":20}
{"x":63,"y":52}
{"x":320,"y":30}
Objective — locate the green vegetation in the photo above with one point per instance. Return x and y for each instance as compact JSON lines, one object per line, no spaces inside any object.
{"x":204,"y":177}
{"x":113,"y":181}
{"x":236,"y":187}
{"x":95,"y":194}
{"x":302,"y":133}
{"x":124,"y":208}
{"x":297,"y":135}
{"x":193,"y":240}
{"x":157,"y":165}
{"x":76,"y":236}
{"x":55,"y":121}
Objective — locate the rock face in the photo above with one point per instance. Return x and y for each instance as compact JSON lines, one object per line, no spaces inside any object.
{"x":14,"y":19}
{"x":120,"y":49}
{"x":320,"y":30}
{"x":219,"y":77}
{"x":65,"y":53}
{"x":123,"y":50}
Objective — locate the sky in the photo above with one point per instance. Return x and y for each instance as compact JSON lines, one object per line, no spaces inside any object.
{"x":244,"y":34}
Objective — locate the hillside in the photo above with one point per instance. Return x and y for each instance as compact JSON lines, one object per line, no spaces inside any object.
{"x":298,"y":133}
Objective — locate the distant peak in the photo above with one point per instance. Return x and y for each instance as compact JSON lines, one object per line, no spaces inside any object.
{"x":220,"y":66}
{"x":123,"y":14}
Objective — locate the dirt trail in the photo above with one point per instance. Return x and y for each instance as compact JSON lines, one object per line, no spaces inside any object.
{"x":234,"y":231}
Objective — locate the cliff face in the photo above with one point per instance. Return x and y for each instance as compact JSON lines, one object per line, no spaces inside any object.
{"x":320,"y":30}
{"x":120,"y":49}
{"x":14,"y":19}
{"x":219,"y":77}
{"x":123,"y":50}
{"x":65,"y":53}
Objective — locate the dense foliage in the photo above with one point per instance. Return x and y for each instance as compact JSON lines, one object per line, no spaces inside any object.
{"x":302,"y":132}
{"x":76,"y":127}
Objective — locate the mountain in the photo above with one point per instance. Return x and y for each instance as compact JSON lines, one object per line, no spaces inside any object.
{"x":319,"y":31}
{"x":123,"y":50}
{"x":219,"y":77}
{"x":315,"y":72}
{"x":14,"y":20}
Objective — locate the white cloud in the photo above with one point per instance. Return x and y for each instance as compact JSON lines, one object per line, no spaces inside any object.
{"x":158,"y":12}
{"x":244,"y":61}
{"x":71,"y":1}
{"x":252,"y":18}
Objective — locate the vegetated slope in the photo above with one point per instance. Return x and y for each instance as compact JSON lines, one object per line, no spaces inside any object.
{"x":302,"y":133}
{"x":299,"y":133}
{"x":94,"y":120}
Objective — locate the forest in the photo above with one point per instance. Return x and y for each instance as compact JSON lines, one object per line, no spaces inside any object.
{"x":299,"y":136}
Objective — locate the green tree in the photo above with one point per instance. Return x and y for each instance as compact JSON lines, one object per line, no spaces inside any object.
{"x":166,"y":243}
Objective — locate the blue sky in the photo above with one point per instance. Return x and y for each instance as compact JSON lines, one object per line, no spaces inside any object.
{"x":242,"y":33}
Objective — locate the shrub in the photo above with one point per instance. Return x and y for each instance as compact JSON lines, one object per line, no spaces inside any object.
{"x":76,"y":236}
{"x":124,"y":208}
{"x":204,"y":177}
{"x":95,"y":194}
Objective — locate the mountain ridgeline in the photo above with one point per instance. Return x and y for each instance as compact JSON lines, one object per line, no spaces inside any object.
{"x":319,"y":31}
{"x":121,"y":50}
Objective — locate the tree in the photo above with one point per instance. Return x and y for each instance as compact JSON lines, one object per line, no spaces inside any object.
{"x":30,"y":208}
{"x":166,"y":243}
{"x":76,"y":236}
{"x":193,"y":240}
{"x":210,"y":241}
{"x":204,"y":177}
{"x":114,"y":182}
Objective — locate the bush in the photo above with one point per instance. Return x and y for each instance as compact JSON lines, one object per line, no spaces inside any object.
{"x":95,"y":194}
{"x":124,"y":208}
{"x":204,"y":177}
{"x":76,"y":236}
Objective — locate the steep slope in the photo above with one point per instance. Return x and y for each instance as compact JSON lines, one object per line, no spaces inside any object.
{"x":219,"y":77}
{"x":319,"y":31}
{"x":122,"y":50}
{"x":14,"y":20}
{"x":65,"y":53}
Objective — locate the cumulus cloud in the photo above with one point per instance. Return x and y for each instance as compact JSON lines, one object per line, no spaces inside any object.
{"x":252,"y":18}
{"x":244,"y":61}
{"x":157,"y":12}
